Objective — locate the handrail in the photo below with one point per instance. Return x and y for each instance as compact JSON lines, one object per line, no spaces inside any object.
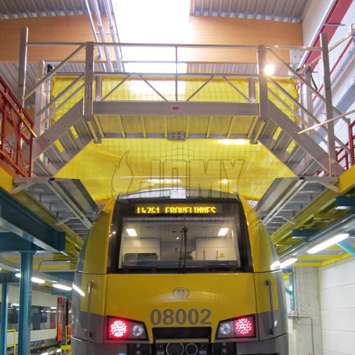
{"x":16,"y":135}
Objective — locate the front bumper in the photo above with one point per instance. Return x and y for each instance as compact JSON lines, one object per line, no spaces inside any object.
{"x":274,"y":346}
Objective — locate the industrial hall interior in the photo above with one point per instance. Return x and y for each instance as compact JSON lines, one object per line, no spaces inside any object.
{"x":177,"y":177}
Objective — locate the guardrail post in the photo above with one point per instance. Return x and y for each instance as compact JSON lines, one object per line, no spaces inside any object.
{"x":328,"y":103}
{"x":251,"y":89}
{"x":263,"y":100}
{"x":22,"y":67}
{"x":308,"y":93}
{"x":25,"y":303}
{"x":40,"y":100}
{"x":89,"y":80}
{"x":98,"y":87}
{"x":3,"y":320}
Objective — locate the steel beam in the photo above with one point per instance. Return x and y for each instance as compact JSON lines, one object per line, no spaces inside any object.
{"x":16,"y":219}
{"x":10,"y":242}
{"x":4,"y":317}
{"x":25,"y":304}
{"x":146,"y":108}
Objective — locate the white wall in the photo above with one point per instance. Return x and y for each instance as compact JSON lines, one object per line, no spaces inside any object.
{"x":337,"y":297}
{"x":305,"y":332}
{"x":316,"y":12}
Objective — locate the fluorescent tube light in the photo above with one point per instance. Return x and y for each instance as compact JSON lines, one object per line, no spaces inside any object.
{"x":223,"y":231}
{"x":287,"y":262}
{"x":328,"y":243}
{"x":131,"y":232}
{"x":275,"y":265}
{"x":78,"y":290}
{"x":62,"y":287}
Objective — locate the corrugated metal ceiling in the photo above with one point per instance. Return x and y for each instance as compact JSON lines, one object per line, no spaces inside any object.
{"x":35,"y":8}
{"x":276,"y":10}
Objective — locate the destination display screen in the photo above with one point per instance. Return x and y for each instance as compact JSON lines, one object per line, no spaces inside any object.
{"x":176,"y":209}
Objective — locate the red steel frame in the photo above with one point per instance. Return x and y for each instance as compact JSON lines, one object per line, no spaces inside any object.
{"x":16,"y":133}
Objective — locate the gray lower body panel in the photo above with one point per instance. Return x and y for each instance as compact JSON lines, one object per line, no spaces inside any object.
{"x":274,"y":346}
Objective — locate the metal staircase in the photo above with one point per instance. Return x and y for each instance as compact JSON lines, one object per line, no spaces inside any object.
{"x":72,"y":134}
{"x":287,"y":197}
{"x":66,"y":199}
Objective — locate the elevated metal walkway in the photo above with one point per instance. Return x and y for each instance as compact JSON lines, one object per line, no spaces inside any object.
{"x":258,"y":107}
{"x":286,"y":197}
{"x":66,"y":199}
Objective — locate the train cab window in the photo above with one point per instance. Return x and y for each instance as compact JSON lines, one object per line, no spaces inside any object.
{"x":184,"y":243}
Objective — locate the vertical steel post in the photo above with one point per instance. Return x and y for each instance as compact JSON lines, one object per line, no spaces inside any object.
{"x":176,"y":75}
{"x":263,"y":100}
{"x":40,"y":99}
{"x":251,"y":90}
{"x":98,"y":87}
{"x":4,"y":317}
{"x":22,"y":66}
{"x":308,"y":92}
{"x":25,"y":303}
{"x":328,"y":102}
{"x":89,"y":80}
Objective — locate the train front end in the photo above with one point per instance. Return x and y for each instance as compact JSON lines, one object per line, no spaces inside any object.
{"x":176,"y":277}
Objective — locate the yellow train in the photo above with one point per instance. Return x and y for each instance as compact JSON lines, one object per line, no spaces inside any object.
{"x":170,"y":273}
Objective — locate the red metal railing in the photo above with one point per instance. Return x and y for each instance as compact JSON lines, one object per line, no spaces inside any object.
{"x":16,"y":133}
{"x":347,"y":158}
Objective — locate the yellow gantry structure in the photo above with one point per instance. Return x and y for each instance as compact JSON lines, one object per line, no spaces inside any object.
{"x":127,"y":165}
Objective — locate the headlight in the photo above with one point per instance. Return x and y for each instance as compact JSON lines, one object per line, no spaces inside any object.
{"x":242,"y":327}
{"x":138,"y":330}
{"x":124,"y":329}
{"x":225,"y":329}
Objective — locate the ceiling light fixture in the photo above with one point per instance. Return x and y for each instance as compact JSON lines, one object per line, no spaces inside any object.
{"x":287,"y":263}
{"x":62,"y":287}
{"x":269,"y":69}
{"x":328,"y":243}
{"x":223,"y":231}
{"x":131,"y":232}
{"x":237,"y":141}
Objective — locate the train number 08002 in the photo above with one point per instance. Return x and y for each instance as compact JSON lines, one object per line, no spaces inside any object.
{"x":180,"y":316}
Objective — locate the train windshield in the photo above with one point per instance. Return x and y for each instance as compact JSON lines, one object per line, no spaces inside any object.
{"x":186,"y":241}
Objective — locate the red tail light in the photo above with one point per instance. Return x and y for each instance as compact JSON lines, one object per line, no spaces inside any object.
{"x":125,"y":329}
{"x":244,"y":327}
{"x":117,"y":329}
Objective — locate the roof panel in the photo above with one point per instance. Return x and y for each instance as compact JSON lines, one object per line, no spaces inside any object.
{"x":276,"y":10}
{"x":36,"y":8}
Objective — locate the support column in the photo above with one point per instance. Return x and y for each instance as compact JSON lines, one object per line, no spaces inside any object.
{"x":22,"y":67}
{"x":25,"y":303}
{"x":4,"y":318}
{"x":328,"y":103}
